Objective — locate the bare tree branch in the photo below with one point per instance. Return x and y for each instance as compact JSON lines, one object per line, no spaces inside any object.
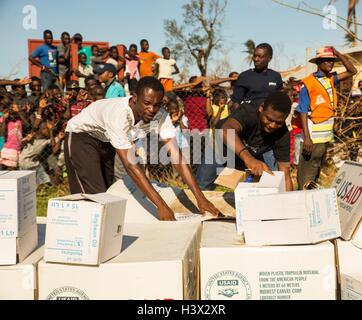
{"x":199,"y":32}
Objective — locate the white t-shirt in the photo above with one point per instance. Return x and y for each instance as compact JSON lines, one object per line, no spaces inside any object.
{"x":112,"y":120}
{"x":165,"y":68}
{"x":112,"y":61}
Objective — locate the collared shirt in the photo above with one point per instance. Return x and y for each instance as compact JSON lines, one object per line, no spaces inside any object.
{"x":112,"y":120}
{"x":255,"y":87}
{"x":115,"y":90}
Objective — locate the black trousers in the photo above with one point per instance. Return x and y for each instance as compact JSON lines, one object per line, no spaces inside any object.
{"x":89,"y":162}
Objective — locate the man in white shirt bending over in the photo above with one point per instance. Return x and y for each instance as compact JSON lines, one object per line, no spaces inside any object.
{"x":110,"y":126}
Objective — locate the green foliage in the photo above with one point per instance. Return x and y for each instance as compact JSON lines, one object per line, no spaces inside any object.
{"x":249,"y":50}
{"x":46,"y":192}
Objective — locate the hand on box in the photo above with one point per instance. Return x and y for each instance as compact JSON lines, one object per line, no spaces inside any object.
{"x":166,"y":214}
{"x":257,"y":167}
{"x":205,"y":207}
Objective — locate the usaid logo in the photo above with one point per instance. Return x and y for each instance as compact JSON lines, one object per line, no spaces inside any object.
{"x":226,"y":285}
{"x":67,"y":293}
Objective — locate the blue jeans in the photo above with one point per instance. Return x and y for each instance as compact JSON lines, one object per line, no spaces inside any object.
{"x":270,"y":160}
{"x":207,"y":172}
{"x":47,"y":80}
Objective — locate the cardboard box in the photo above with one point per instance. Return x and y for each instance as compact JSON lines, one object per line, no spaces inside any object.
{"x":158,"y":261}
{"x":186,"y":203}
{"x":233,"y":271}
{"x":357,"y":236}
{"x":302,"y":217}
{"x":15,"y":250}
{"x":84,"y":229}
{"x":139,"y":208}
{"x":18,"y":236}
{"x":349,"y":258}
{"x":267,"y":184}
{"x":230,"y":178}
{"x":19,"y":282}
{"x":348,"y":183}
{"x":351,"y":287}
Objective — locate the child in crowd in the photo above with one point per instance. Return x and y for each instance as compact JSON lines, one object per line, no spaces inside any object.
{"x":164,"y":69}
{"x":4,"y":102}
{"x":83,"y":71}
{"x":96,"y":58}
{"x":97,"y":93}
{"x":90,"y":82}
{"x":132,"y":68}
{"x":34,"y":154}
{"x":9,"y":155}
{"x":175,"y":108}
{"x":114,"y":54}
{"x":220,"y":109}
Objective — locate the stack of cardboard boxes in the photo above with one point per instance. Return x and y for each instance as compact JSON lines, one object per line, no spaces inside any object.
{"x":18,"y":235}
{"x":348,"y":184}
{"x":91,"y":253}
{"x":96,"y":248}
{"x":279,"y":249}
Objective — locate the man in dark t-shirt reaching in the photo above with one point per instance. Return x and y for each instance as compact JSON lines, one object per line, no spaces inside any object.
{"x":257,"y":131}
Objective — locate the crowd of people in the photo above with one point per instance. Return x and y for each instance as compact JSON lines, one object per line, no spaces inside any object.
{"x":38,"y":125}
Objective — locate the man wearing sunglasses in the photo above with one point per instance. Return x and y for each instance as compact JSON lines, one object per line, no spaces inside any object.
{"x":317,"y":105}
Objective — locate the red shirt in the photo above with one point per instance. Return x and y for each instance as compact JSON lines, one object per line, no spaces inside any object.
{"x":78,"y":107}
{"x":195,"y":111}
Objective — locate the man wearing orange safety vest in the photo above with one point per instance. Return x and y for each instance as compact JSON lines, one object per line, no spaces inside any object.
{"x":317,"y":105}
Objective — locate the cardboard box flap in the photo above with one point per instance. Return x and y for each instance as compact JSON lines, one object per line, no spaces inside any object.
{"x":284,"y":207}
{"x":194,"y":217}
{"x":72,"y":197}
{"x":348,"y":183}
{"x":3,"y":173}
{"x":15,"y":174}
{"x":216,"y":234}
{"x":273,"y":181}
{"x":103,"y":198}
{"x":289,"y":205}
{"x":230,"y":178}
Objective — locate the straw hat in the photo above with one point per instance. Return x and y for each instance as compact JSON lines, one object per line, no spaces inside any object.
{"x":324,"y":52}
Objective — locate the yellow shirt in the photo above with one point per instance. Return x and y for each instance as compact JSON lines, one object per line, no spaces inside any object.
{"x":224,"y":114}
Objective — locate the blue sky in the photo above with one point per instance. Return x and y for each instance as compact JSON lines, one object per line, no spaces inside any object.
{"x":290,"y":32}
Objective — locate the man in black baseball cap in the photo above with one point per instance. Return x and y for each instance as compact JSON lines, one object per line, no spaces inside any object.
{"x":107,"y":74}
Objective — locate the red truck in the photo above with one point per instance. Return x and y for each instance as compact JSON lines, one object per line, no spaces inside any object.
{"x":34,"y":43}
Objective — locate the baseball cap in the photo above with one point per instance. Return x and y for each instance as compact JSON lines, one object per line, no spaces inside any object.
{"x":106,"y":67}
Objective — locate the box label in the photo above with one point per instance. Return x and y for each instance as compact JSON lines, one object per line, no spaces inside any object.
{"x":228,"y":285}
{"x":67,"y":293}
